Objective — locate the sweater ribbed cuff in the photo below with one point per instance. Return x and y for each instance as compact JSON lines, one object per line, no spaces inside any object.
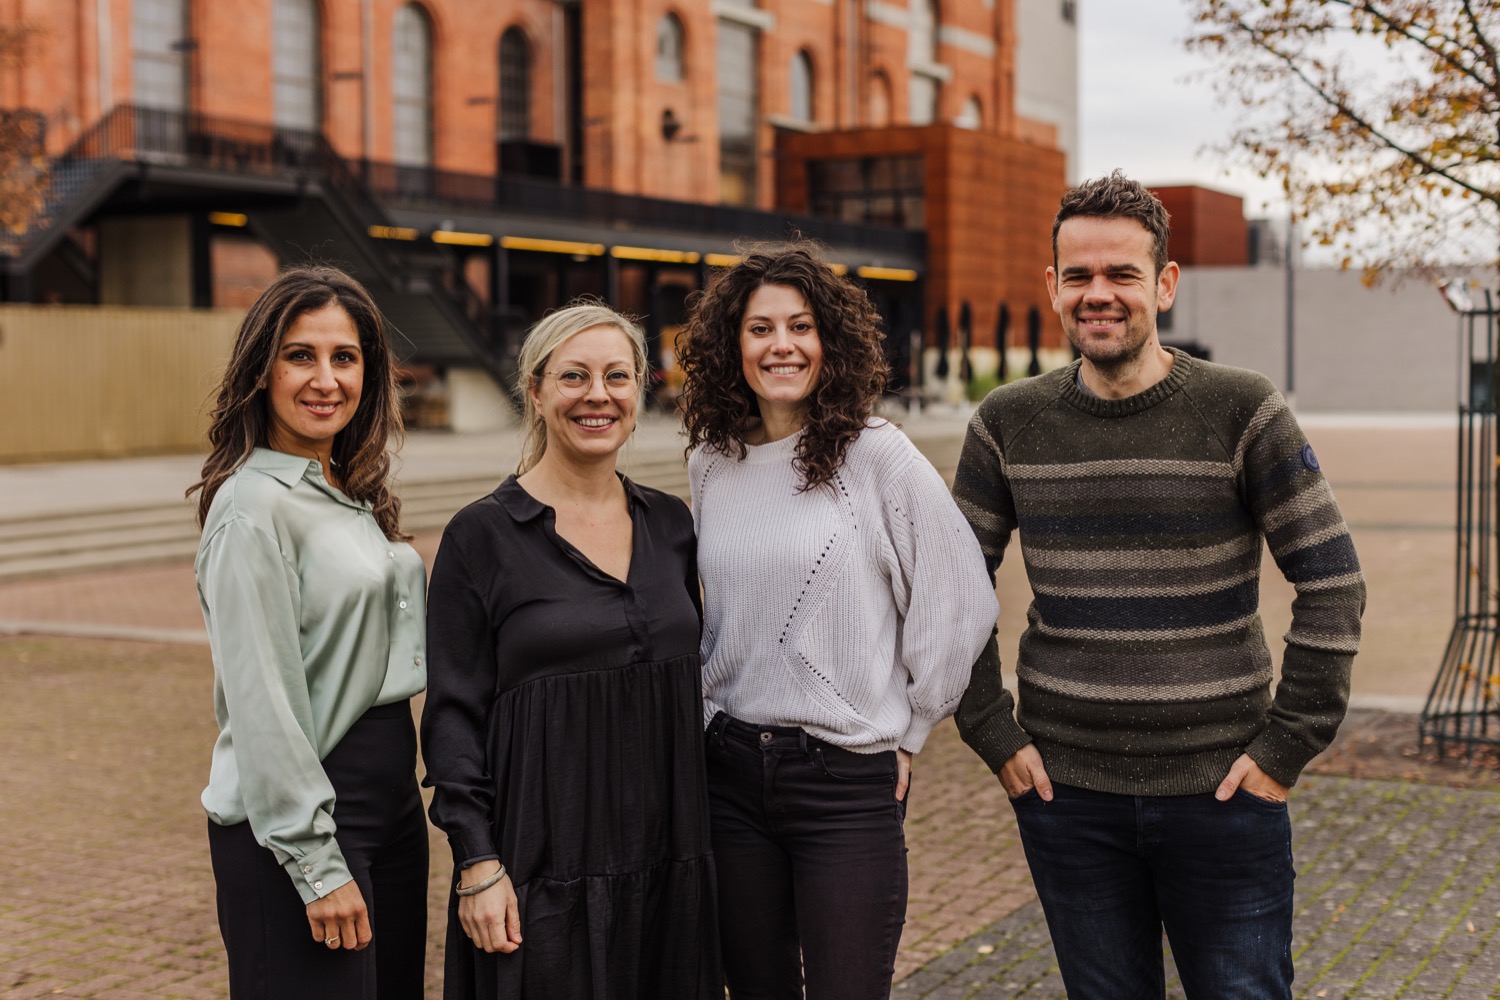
{"x":1280,"y":754}
{"x":996,"y":740}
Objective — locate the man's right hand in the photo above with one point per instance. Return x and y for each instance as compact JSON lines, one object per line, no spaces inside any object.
{"x":1023,"y":772}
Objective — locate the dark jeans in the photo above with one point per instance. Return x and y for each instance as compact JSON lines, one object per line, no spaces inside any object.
{"x":811,"y":855}
{"x":383,"y":836}
{"x":1113,"y":870}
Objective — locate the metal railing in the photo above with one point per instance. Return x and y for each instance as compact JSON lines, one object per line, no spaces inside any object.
{"x":1463,"y":706}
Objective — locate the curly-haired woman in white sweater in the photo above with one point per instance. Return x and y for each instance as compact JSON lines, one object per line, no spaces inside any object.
{"x":845,"y":601}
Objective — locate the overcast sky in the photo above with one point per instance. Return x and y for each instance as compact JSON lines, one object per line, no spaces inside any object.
{"x":1143,"y":108}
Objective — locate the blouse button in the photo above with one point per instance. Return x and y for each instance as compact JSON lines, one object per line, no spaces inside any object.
{"x":390,"y":555}
{"x":318,"y":885}
{"x":403,"y":605}
{"x":307,"y":869}
{"x":417,"y":661}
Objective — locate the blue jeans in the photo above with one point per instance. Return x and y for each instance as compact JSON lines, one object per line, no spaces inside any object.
{"x":810,"y":850}
{"x":1113,"y":870}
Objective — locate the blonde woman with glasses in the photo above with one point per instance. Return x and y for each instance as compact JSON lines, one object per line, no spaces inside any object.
{"x":561,"y":731}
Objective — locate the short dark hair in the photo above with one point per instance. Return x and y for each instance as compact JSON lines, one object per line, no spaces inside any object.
{"x":1117,"y":197}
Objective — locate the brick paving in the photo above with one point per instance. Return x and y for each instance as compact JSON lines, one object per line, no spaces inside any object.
{"x":106,"y":889}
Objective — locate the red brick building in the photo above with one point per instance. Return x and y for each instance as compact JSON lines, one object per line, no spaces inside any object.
{"x":477,"y":163}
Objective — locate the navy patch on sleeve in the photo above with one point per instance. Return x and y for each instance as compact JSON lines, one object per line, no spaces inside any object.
{"x":1309,"y":459}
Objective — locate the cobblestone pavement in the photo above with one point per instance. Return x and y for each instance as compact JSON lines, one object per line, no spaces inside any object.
{"x":105,"y":888}
{"x":1396,"y":897}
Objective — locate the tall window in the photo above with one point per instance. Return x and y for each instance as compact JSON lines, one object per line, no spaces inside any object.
{"x":972,"y":116}
{"x":878,"y":190}
{"x":515,"y":85}
{"x":411,"y":86}
{"x":296,"y":65}
{"x":739,"y":111}
{"x":159,"y":57}
{"x":802,"y":87}
{"x":880,"y":100}
{"x":670,"y":45}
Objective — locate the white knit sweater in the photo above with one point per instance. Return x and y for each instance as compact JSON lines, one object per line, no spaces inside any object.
{"x":854,"y":611}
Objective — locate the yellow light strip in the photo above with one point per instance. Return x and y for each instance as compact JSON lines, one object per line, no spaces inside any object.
{"x":886,"y":273}
{"x":720,"y":259}
{"x":839,"y":269}
{"x":462,"y":239}
{"x":392,"y":233}
{"x":660,"y":256}
{"x":552,"y":246}
{"x":228,"y":218}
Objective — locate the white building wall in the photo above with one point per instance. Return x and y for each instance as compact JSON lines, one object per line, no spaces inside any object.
{"x":1047,"y":70}
{"x":1392,"y":348}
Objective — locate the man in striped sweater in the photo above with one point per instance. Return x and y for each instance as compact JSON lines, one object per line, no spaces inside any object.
{"x":1147,"y":758}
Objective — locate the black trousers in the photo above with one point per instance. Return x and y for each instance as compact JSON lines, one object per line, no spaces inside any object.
{"x":383,"y":835}
{"x":810,"y":848}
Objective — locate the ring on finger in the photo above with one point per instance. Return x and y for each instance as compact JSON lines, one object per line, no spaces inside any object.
{"x":330,"y":942}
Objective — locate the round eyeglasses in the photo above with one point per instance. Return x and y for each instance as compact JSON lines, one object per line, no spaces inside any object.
{"x":621,"y":383}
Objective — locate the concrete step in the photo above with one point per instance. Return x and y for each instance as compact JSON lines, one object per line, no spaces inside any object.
{"x":52,"y":545}
{"x":104,"y":538}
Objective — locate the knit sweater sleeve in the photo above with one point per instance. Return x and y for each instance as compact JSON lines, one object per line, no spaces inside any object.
{"x":1305,"y":531}
{"x":986,"y":714}
{"x":945,"y":597}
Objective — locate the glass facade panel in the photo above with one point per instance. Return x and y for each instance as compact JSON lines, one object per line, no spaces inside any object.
{"x":411,"y":87}
{"x":886,"y":191}
{"x":296,"y":65}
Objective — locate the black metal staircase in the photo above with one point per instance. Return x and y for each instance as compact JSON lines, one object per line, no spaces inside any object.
{"x":301,"y":196}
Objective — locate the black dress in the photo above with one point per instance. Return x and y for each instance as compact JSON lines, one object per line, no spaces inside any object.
{"x":563,"y":734}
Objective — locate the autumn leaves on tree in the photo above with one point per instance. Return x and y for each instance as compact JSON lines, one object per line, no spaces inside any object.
{"x":1381,"y":118}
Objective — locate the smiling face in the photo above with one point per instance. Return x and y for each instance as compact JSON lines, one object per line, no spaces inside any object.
{"x":781,"y":355}
{"x":315,"y":383}
{"x":593,"y":425}
{"x":1106,"y":291}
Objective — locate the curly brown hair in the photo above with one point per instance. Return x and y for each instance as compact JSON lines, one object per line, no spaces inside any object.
{"x":240,"y":420}
{"x":718,"y":403}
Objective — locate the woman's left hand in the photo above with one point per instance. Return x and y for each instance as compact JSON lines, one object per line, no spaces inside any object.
{"x":903,"y":772}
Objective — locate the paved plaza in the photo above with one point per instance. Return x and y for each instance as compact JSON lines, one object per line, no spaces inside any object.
{"x":106,"y":724}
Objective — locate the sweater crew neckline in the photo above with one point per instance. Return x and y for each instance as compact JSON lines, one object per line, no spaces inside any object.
{"x":1075,"y":394}
{"x":772,"y":451}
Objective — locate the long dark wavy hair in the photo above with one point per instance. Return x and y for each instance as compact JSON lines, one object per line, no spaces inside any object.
{"x":240,"y":420}
{"x":720,"y":407}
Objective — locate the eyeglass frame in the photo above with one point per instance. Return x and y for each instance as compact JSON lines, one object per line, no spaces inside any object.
{"x":602,"y":377}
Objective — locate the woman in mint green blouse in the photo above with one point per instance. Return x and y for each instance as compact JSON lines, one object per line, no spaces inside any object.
{"x":314,"y":607}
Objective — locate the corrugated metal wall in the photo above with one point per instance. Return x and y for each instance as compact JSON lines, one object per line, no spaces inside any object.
{"x":88,"y":382}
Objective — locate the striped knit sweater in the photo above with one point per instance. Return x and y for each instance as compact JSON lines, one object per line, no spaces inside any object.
{"x":1143,"y":668}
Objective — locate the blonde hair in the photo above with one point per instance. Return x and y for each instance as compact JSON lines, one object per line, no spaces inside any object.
{"x":551,"y":332}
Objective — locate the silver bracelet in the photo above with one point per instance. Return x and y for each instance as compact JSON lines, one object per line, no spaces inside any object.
{"x":479,"y":887}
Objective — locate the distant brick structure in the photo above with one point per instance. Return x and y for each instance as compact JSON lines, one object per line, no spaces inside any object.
{"x":602,"y":97}
{"x":1208,"y":227}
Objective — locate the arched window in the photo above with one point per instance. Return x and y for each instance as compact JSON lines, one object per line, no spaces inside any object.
{"x":879,"y":100}
{"x":296,"y":65}
{"x":515,"y":85}
{"x":159,"y":53}
{"x":802,"y":87}
{"x":670,"y":47}
{"x":411,"y":86}
{"x":972,"y":116}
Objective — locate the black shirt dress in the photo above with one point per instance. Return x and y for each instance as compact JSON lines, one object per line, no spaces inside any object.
{"x":563,"y":734}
